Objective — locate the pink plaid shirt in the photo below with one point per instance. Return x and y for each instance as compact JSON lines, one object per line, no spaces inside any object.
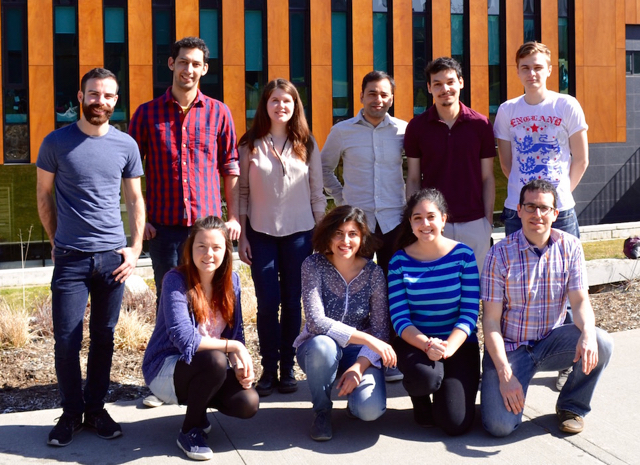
{"x":533,"y":289}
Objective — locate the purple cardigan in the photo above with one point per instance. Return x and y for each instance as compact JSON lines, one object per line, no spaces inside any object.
{"x":176,"y":330}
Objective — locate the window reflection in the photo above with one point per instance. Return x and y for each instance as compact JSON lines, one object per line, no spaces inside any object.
{"x":115,"y":56}
{"x":299,"y":52}
{"x":163,"y":38}
{"x":211,"y":33}
{"x":255,"y":59}
{"x":66,"y":72}
{"x":340,"y":46}
{"x":422,"y":54}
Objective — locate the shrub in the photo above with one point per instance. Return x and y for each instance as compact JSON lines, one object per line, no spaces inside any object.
{"x":14,"y":326}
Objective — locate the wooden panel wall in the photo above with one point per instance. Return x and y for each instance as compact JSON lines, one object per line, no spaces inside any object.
{"x":140,"y":53}
{"x":515,"y":37}
{"x":362,"y":37}
{"x":233,"y":61}
{"x":632,"y":12}
{"x":187,"y":18}
{"x":278,"y":39}
{"x":599,"y":57}
{"x":321,"y":78}
{"x":441,"y":27}
{"x":41,"y":91}
{"x":403,"y":59}
{"x":479,"y":55}
{"x":549,"y":33}
{"x":90,"y":35}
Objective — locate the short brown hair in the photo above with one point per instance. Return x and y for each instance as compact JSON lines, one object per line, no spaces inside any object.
{"x":529,"y":48}
{"x":337,"y":217}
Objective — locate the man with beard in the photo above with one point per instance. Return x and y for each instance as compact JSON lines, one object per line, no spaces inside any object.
{"x":450,"y":147}
{"x":187,"y":141}
{"x":86,"y":162}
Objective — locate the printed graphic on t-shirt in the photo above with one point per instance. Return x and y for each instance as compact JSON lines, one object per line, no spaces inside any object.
{"x":538,"y":145}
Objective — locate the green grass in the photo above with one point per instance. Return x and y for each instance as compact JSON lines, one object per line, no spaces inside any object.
{"x":603,"y":249}
{"x":13,"y":295}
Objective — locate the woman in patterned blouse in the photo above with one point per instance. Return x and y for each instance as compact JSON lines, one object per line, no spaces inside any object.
{"x":347,"y":321}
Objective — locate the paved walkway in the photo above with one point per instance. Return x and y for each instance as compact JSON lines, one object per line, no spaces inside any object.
{"x":278,"y":434}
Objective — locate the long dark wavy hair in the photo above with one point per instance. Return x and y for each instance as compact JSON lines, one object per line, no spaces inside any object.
{"x":223,"y":298}
{"x":406,"y":236}
{"x":297,"y":127}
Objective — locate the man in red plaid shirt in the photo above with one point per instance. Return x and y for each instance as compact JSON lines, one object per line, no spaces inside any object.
{"x":187,"y":141}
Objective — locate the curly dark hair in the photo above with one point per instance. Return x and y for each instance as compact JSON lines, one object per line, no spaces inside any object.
{"x":332,"y":221}
{"x":190,"y":43}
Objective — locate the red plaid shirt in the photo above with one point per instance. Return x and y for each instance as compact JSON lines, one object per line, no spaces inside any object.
{"x":185,"y":155}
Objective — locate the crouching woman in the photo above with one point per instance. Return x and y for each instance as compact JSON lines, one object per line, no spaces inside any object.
{"x":347,"y":321}
{"x":196,"y":355}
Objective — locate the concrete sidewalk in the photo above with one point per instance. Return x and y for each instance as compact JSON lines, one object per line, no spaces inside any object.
{"x":279,"y":432}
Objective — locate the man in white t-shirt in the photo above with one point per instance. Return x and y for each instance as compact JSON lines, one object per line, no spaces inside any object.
{"x":541,"y":135}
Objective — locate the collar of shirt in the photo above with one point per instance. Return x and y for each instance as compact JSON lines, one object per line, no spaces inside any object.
{"x":464,"y":114}
{"x":360,"y":119}
{"x":524,"y":244}
{"x":169,"y":98}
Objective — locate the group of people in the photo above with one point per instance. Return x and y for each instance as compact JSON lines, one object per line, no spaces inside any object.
{"x":414,"y":308}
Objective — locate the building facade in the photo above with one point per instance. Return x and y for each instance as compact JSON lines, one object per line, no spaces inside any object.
{"x":324,"y":47}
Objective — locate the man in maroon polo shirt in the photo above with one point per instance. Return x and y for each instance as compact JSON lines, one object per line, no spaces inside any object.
{"x":451,"y":148}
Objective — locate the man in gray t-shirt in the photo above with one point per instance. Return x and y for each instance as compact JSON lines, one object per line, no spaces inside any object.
{"x":86,"y":163}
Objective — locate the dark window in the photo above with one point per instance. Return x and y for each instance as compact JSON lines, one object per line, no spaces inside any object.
{"x":497,"y":72}
{"x":633,"y":62}
{"x":383,"y":35}
{"x":532,"y":28}
{"x":255,"y":54}
{"x":164,"y":34}
{"x":460,"y":44}
{"x":300,"y":51}
{"x":66,"y":62}
{"x":116,"y":58}
{"x":422,"y":54}
{"x":341,"y":60}
{"x":15,"y":81}
{"x":211,"y":33}
{"x":566,"y":47}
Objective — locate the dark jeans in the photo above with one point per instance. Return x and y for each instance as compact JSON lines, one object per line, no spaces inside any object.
{"x":275,"y":269}
{"x":165,"y":250}
{"x":385,"y":253}
{"x":208,"y":382}
{"x":76,"y":276}
{"x":453,"y":383}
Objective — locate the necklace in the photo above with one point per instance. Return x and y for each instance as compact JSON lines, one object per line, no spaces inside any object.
{"x":279,"y":154}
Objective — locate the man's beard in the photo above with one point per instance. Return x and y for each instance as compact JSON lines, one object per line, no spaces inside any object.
{"x":96,"y":119}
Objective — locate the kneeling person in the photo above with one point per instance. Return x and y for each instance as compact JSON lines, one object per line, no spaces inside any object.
{"x":526,"y":281}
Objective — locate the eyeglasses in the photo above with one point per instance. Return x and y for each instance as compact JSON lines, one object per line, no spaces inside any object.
{"x":532,"y":207}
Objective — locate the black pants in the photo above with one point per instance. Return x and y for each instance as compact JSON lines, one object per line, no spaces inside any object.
{"x":386,"y":251}
{"x":453,"y":383}
{"x":208,"y":382}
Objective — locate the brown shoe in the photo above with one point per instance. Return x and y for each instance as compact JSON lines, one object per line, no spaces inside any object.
{"x":570,"y":422}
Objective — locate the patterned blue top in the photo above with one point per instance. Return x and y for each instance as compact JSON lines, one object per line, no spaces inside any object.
{"x":435,"y":296}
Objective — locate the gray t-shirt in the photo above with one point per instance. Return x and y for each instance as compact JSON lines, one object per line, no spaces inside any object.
{"x":88,"y":173}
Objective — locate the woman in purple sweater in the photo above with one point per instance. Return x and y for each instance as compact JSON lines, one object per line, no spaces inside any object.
{"x":196,"y":355}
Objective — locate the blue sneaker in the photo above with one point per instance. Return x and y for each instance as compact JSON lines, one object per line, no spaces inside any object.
{"x":194,"y":445}
{"x":392,"y":374}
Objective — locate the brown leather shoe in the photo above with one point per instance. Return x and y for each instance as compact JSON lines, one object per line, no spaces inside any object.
{"x":570,"y":422}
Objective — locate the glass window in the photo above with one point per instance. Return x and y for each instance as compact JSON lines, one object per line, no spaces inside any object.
{"x":340,"y":60}
{"x":300,"y":51}
{"x":497,"y":79}
{"x":422,"y":54}
{"x":211,"y":33}
{"x":531,"y":12}
{"x":66,"y":62}
{"x":254,"y":54}
{"x":460,"y":43}
{"x":381,"y":35}
{"x":116,"y":58}
{"x":15,"y":82}
{"x":163,"y":12}
{"x":565,"y":47}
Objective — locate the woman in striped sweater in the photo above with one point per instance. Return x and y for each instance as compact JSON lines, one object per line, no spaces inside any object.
{"x":433,"y":302}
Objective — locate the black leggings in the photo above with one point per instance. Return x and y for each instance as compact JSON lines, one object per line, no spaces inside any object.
{"x":208,"y":382}
{"x":453,"y":383}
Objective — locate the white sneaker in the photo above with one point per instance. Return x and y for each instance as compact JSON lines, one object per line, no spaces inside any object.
{"x":152,"y":401}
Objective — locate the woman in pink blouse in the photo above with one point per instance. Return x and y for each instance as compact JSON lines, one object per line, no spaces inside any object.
{"x":281,"y":200}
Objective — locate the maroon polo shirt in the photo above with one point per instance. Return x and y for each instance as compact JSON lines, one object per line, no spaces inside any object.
{"x":450,"y":158}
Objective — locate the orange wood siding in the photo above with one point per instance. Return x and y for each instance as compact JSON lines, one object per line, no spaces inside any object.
{"x":441,"y":27}
{"x":632,"y":12}
{"x":278,"y":39}
{"x":479,"y":55}
{"x":233,"y":61}
{"x":187,"y":18}
{"x":515,"y":38}
{"x":321,"y":78}
{"x":41,"y":91}
{"x":90,"y":35}
{"x":140,"y":53}
{"x":362,"y":38}
{"x":549,"y":28}
{"x":403,"y":59}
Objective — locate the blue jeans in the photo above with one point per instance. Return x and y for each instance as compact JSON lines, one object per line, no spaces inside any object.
{"x":567,"y":221}
{"x":322,"y":359}
{"x":76,"y":276}
{"x":553,"y":353}
{"x":165,"y":250}
{"x":275,"y":268}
